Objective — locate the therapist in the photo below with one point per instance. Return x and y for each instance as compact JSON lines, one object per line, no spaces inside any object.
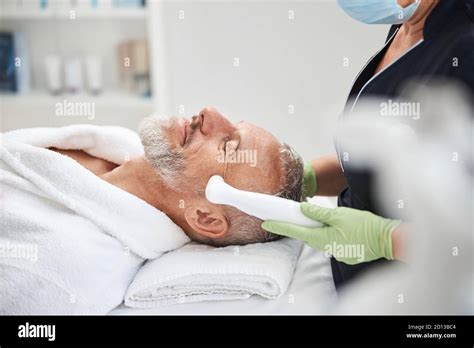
{"x":428,"y":40}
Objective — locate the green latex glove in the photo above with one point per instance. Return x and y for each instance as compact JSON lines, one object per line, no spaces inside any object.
{"x":309,"y":180}
{"x":350,"y":235}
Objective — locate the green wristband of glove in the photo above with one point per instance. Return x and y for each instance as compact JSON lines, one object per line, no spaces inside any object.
{"x":386,"y":239}
{"x":309,"y":181}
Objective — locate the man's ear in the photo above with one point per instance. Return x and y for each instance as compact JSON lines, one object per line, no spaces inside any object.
{"x":207,"y":220}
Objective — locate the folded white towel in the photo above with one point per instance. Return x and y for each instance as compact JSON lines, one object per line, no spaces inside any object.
{"x":197,"y":273}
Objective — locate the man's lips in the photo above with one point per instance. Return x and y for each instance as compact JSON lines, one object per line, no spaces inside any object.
{"x":186,"y":127}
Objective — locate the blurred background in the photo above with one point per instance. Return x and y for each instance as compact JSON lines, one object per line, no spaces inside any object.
{"x":284,"y":65}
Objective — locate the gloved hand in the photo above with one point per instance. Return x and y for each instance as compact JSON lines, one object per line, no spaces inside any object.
{"x":309,"y":180}
{"x":350,"y":235}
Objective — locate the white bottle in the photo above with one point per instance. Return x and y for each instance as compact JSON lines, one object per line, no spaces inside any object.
{"x":53,"y":69}
{"x":93,"y":67}
{"x":73,"y":75}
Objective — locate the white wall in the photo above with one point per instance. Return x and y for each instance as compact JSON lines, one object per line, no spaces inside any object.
{"x":282,"y":62}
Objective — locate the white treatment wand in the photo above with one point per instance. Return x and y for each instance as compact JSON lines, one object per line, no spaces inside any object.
{"x":260,"y":205}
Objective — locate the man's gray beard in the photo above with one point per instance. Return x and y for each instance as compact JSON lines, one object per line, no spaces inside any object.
{"x":159,"y":151}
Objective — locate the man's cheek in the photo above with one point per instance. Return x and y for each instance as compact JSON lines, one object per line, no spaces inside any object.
{"x":197,"y":173}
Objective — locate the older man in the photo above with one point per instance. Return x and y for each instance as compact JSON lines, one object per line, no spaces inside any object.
{"x":181,"y":155}
{"x":84,"y":206}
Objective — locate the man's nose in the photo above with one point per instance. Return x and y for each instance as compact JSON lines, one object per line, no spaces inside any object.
{"x":212,"y":121}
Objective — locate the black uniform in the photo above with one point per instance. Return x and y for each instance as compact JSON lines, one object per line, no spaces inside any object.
{"x":447,"y":51}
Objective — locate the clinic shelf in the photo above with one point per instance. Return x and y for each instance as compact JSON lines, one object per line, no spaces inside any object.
{"x":78,"y":14}
{"x":40,"y":99}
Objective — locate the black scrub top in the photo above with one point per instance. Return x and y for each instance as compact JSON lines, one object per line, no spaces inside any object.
{"x":447,"y":51}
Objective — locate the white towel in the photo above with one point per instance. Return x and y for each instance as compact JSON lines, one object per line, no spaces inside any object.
{"x":197,"y":273}
{"x":69,"y":241}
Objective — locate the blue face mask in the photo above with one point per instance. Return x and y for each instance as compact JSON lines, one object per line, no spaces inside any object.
{"x":378,"y":11}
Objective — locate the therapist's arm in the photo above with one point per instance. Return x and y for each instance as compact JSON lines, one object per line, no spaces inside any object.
{"x":330,"y":179}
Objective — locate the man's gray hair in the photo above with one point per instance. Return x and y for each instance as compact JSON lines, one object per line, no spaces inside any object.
{"x":245,"y":229}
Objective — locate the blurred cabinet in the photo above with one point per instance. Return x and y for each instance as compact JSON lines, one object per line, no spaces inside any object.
{"x":77,"y":28}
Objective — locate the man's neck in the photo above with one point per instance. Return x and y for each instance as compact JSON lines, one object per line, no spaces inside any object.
{"x":140,"y":179}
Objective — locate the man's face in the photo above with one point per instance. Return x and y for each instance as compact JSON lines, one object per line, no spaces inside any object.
{"x":187,"y":152}
{"x":193,"y":150}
